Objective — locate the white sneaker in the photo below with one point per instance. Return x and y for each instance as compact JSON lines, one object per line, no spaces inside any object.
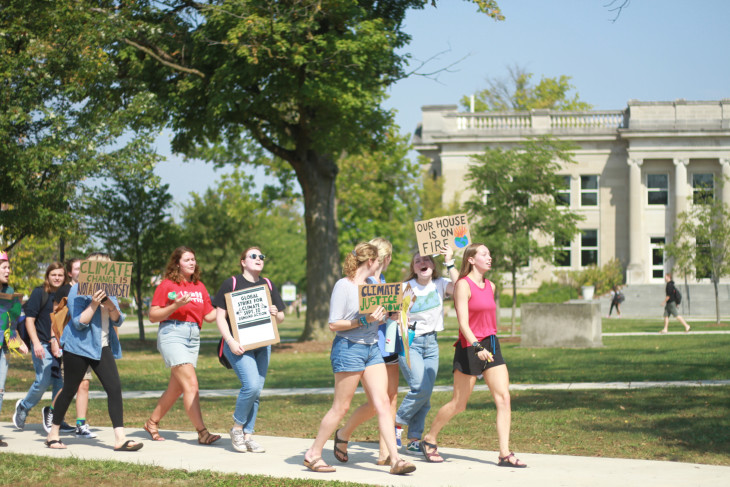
{"x":47,"y":414}
{"x":83,"y":431}
{"x":254,"y":447}
{"x":239,"y":444}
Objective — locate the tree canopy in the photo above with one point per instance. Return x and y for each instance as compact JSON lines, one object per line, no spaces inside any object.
{"x":518,"y":92}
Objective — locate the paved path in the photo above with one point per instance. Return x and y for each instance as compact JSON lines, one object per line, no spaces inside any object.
{"x":462,"y":467}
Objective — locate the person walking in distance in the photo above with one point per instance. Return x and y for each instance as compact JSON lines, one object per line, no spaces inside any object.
{"x":670,"y":304}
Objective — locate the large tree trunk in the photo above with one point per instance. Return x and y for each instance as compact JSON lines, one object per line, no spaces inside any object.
{"x":317,"y":177}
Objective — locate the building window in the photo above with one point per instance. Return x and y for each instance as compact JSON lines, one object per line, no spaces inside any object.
{"x":657,"y":186}
{"x":657,"y":257}
{"x":589,"y":248}
{"x":562,"y":198}
{"x":703,"y":188}
{"x":589,"y":190}
{"x":562,"y":252}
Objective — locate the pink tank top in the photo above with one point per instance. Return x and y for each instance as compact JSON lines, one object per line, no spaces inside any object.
{"x":482,"y":312}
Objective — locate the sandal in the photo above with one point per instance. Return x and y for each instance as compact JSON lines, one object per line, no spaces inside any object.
{"x":205,"y":438}
{"x":340,"y":455}
{"x":128,"y":446}
{"x":383,"y":462}
{"x":511,"y":461}
{"x":402,"y":467}
{"x":151,"y":427}
{"x":50,"y":444}
{"x":432,"y":456}
{"x":312,"y":465}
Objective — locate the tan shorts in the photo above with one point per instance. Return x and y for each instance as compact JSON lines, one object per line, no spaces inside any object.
{"x":87,"y":375}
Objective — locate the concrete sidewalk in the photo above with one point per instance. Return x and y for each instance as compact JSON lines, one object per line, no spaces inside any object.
{"x":284,"y":456}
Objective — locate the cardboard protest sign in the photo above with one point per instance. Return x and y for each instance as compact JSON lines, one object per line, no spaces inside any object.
{"x":249,"y":313}
{"x":388,"y":296}
{"x":409,"y":298}
{"x":441,"y":232}
{"x":115,"y":278}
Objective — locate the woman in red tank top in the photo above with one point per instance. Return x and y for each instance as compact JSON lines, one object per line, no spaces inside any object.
{"x":476,"y":353}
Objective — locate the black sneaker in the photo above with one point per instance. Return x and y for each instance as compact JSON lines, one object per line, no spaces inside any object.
{"x":67,"y":428}
{"x":47,"y":414}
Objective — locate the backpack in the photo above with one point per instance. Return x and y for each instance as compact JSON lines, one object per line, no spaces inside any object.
{"x":21,"y":330}
{"x":221,"y":356}
{"x":60,"y":317}
{"x":677,"y":296}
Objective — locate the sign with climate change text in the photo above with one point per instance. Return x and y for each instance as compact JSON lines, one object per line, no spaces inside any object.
{"x":115,"y":278}
{"x":444,"y":231}
{"x":249,"y":311}
{"x":389,"y":296}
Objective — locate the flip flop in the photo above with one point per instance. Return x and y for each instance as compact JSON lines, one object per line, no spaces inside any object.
{"x":127,"y":447}
{"x":402,"y":467}
{"x":312,"y":465}
{"x":430,"y":457}
{"x":340,"y":455}
{"x":50,"y":444}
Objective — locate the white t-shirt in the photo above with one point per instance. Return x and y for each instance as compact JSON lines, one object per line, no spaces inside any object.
{"x":428,"y":308}
{"x":104,"y":327}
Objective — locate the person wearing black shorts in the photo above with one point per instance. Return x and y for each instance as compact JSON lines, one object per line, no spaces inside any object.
{"x":477,"y":353}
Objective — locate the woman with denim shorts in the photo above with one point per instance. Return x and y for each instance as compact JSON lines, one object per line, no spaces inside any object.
{"x":355,"y":357}
{"x":252,"y":365}
{"x":476,"y":353}
{"x":180,"y":304}
{"x":427,"y":317}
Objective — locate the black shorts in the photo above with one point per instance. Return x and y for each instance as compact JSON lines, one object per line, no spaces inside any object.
{"x":391,"y":359}
{"x":467,"y":362}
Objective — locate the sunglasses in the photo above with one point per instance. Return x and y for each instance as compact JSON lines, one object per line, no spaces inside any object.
{"x":255,"y":256}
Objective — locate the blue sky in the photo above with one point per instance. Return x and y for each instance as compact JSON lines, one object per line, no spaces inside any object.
{"x":656,"y":50}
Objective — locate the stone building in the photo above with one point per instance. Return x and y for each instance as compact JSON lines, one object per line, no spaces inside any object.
{"x":638,"y":168}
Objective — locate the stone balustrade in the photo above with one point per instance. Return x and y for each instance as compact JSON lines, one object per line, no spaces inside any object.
{"x":540,"y":119}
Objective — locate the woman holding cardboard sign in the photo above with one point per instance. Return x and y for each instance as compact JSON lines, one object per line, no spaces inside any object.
{"x":90,"y":339}
{"x":476,"y":353}
{"x":252,"y":365}
{"x":356,"y":357}
{"x":180,"y":304}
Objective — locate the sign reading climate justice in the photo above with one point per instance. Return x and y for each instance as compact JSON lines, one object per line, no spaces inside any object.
{"x":441,"y":232}
{"x":389,"y":296}
{"x":250,"y":315}
{"x":115,"y":278}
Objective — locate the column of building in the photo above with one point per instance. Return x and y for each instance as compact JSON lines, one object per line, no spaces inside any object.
{"x":680,"y":187}
{"x":725,"y":164}
{"x":635,"y":270}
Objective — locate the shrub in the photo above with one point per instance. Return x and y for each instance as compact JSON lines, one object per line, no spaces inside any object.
{"x":548,"y":292}
{"x":603,"y":278}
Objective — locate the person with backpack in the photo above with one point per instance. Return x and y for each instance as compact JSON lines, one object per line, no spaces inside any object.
{"x":250,"y":366}
{"x":670,"y":304}
{"x":46,"y":349}
{"x":73,"y":268}
{"x":90,"y":339}
{"x":617,"y":297}
{"x":7,"y":330}
{"x":180,"y":304}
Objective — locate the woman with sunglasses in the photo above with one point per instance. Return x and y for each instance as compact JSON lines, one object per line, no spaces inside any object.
{"x":180,"y":304}
{"x":249,"y":365}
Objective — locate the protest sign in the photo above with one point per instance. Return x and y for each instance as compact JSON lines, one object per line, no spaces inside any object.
{"x":249,"y":313}
{"x":441,"y":232}
{"x":115,"y":278}
{"x":388,"y":296}
{"x":288,"y":293}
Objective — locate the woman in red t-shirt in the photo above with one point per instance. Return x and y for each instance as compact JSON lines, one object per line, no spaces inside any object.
{"x":476,"y":353}
{"x":180,"y":304}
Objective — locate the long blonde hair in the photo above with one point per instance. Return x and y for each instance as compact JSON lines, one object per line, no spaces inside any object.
{"x":385,"y":248}
{"x":362,"y":253}
{"x":467,"y":266}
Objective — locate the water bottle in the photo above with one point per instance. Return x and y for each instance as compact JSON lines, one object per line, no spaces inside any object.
{"x":411,"y":332}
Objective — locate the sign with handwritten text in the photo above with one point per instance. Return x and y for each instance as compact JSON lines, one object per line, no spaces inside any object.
{"x":389,"y":296}
{"x":115,"y":278}
{"x":444,"y":231}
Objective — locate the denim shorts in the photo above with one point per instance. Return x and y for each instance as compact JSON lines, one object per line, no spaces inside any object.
{"x":347,"y":356}
{"x":179,"y":342}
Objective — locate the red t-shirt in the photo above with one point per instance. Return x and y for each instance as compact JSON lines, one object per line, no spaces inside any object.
{"x":194,"y":311}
